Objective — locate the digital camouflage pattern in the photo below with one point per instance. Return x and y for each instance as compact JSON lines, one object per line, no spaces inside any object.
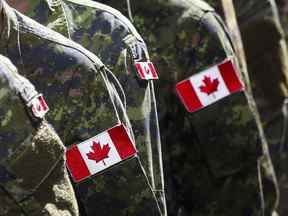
{"x":212,"y":157}
{"x":32,"y":175}
{"x":266,"y":50}
{"x":267,"y":55}
{"x":81,"y":82}
{"x":198,"y":181}
{"x":107,"y":33}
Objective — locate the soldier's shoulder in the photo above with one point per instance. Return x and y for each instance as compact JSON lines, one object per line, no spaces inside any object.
{"x":191,"y":9}
{"x":6,"y":68}
{"x":107,"y":13}
{"x":58,"y":42}
{"x":196,"y":5}
{"x":110,"y":12}
{"x":199,"y":5}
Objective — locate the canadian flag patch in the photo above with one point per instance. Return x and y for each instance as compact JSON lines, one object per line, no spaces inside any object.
{"x":146,"y":70}
{"x":38,"y":106}
{"x":209,"y":86}
{"x":99,"y":153}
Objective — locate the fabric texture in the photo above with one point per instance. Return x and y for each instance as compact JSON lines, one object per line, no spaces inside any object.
{"x":266,"y":49}
{"x":213,"y":163}
{"x":32,"y":155}
{"x":53,"y":63}
{"x":111,"y":36}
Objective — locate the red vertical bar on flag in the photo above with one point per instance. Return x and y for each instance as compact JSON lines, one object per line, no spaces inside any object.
{"x":146,"y":70}
{"x":153,"y":70}
{"x":122,"y":142}
{"x":140,"y":70}
{"x":43,"y":103}
{"x":188,"y":96}
{"x":76,"y":164}
{"x":230,"y":77}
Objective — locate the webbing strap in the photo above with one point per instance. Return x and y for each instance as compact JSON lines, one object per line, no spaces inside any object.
{"x":139,"y":52}
{"x":137,"y":48}
{"x":129,"y":10}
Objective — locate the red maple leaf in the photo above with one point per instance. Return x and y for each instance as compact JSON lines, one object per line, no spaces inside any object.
{"x":209,"y":86}
{"x":99,"y":153}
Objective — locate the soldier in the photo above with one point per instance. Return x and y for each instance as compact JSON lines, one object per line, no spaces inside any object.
{"x":111,"y":36}
{"x":217,"y":175}
{"x":73,"y":80}
{"x":266,"y":50}
{"x":227,"y":168}
{"x":271,"y":52}
{"x":33,"y":180}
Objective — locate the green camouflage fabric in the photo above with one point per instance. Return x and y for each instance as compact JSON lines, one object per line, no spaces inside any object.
{"x":74,"y":82}
{"x":216,"y":160}
{"x":270,"y":51}
{"x":32,"y":175}
{"x":266,"y":50}
{"x":199,"y":181}
{"x":107,"y":33}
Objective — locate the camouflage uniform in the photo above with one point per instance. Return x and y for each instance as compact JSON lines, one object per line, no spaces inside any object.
{"x":266,"y":50}
{"x":33,"y":180}
{"x":255,"y":19}
{"x":209,"y":180}
{"x":212,"y":157}
{"x":74,"y":81}
{"x":111,"y":36}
